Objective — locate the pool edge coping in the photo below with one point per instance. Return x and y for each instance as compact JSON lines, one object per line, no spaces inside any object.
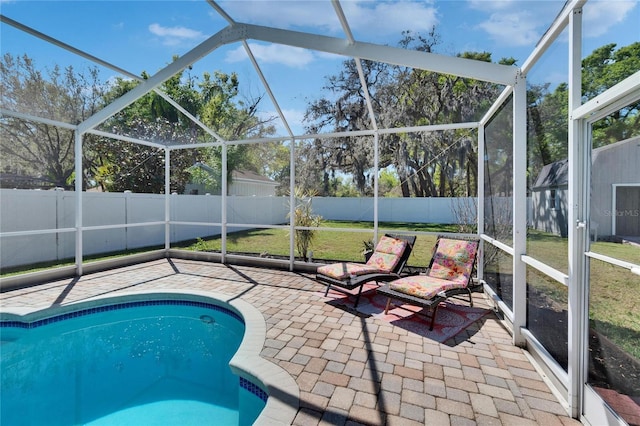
{"x":283,"y":392}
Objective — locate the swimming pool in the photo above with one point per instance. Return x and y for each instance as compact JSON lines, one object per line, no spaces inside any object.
{"x":144,"y":360}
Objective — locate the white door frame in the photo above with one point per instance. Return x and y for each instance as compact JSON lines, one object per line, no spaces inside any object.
{"x":614,"y":189}
{"x":594,"y":411}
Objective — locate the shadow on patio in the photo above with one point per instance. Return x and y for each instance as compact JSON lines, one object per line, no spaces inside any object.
{"x":350,"y":368}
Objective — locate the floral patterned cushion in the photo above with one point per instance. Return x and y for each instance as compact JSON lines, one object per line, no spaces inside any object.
{"x":453,"y":260}
{"x":391,"y":245}
{"x":341,"y":271}
{"x":383,"y":260}
{"x":387,"y":253}
{"x":423,"y":286}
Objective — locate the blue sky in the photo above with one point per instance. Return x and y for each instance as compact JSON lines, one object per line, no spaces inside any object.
{"x":144,"y":35}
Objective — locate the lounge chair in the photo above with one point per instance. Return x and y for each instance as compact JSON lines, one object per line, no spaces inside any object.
{"x":449,"y":274}
{"x":385,"y":264}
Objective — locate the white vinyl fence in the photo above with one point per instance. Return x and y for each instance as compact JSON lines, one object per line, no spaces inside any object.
{"x":28,"y":210}
{"x":416,"y":210}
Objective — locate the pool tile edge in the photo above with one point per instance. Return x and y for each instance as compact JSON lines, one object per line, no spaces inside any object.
{"x":284,"y":394}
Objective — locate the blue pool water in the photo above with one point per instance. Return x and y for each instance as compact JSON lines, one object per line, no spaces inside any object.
{"x":127,"y":364}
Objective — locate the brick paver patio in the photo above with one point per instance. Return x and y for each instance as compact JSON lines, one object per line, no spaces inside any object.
{"x":350,"y":370}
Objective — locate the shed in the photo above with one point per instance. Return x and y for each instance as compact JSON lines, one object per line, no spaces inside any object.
{"x":615,"y":192}
{"x":249,"y":183}
{"x":243,"y":182}
{"x":549,"y":199}
{"x":615,"y":188}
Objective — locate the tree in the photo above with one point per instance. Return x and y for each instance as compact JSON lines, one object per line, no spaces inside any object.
{"x":606,"y":66}
{"x":440,"y":163}
{"x":212,"y":100}
{"x":352,"y":155}
{"x":539,"y":151}
{"x":122,"y":166}
{"x":601,"y":70}
{"x":498,"y":170}
{"x":271,"y":159}
{"x":37,"y":149}
{"x":548,"y":132}
{"x":233,"y":120}
{"x":427,"y":164}
{"x":388,"y":184}
{"x":548,"y":111}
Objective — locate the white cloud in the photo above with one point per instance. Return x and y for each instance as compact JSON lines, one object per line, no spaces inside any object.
{"x":512,"y":28}
{"x":386,"y":17}
{"x":172,"y":36}
{"x":390,"y":18}
{"x":600,"y":16}
{"x":330,"y":56}
{"x":522,"y":22}
{"x":284,"y":14}
{"x":491,"y":5}
{"x":515,"y":22}
{"x":289,"y":56}
{"x":294,"y":118}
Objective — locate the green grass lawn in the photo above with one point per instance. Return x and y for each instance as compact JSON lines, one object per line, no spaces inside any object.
{"x":614,"y":296}
{"x":327,"y":245}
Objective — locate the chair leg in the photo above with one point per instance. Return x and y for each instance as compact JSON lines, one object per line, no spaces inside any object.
{"x":433,"y":317}
{"x":355,"y":305}
{"x":386,"y":308}
{"x":470,"y":298}
{"x":327,"y":290}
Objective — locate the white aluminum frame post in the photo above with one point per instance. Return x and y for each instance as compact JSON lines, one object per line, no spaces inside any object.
{"x":578,"y":222}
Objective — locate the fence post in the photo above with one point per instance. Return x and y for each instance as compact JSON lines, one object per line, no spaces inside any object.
{"x":127,"y":197}
{"x":59,"y":222}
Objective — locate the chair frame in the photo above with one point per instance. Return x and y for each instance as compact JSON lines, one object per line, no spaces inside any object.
{"x":473,"y":285}
{"x":349,"y":283}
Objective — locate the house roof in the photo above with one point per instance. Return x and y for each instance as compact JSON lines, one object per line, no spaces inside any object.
{"x":250,"y":176}
{"x":617,"y":145}
{"x":553,"y":175}
{"x":557,"y":174}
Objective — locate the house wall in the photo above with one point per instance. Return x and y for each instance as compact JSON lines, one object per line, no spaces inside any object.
{"x":613,"y":166}
{"x":252,"y":188}
{"x":616,"y":164}
{"x":544,"y":216}
{"x":236,"y":187}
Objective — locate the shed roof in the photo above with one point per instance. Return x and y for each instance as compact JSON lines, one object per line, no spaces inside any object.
{"x":556,"y":174}
{"x":251,"y":176}
{"x":553,"y":175}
